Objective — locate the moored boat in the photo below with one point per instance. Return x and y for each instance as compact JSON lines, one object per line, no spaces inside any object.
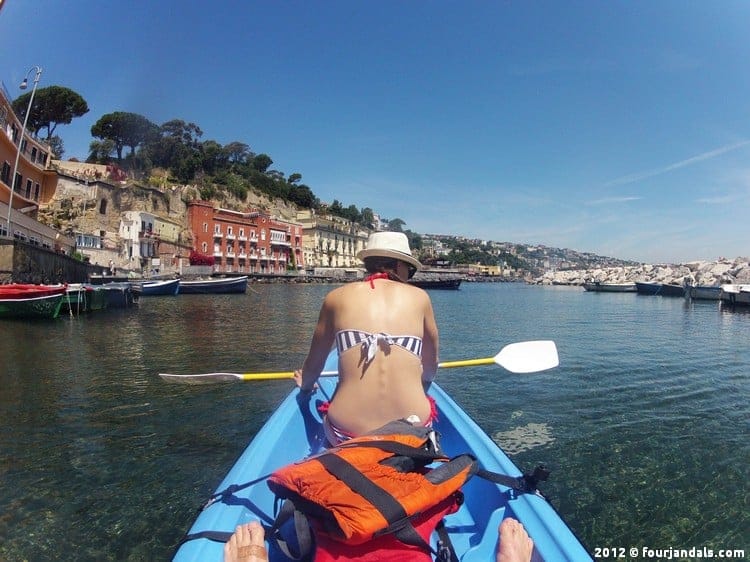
{"x":672,"y":290}
{"x":31,"y":301}
{"x":214,"y":286}
{"x":599,"y":287}
{"x":294,"y":431}
{"x":644,"y":288}
{"x":120,"y":295}
{"x":704,"y":292}
{"x":157,"y":287}
{"x":735,"y":294}
{"x":83,"y":297}
{"x":450,"y":284}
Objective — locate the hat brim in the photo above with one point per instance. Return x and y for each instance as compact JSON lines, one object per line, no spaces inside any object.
{"x":382,"y":253}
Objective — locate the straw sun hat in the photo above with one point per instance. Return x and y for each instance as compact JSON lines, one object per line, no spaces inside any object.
{"x":389,"y":245}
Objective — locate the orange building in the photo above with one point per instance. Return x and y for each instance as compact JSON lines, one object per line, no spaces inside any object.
{"x":245,"y":242}
{"x":34,"y":182}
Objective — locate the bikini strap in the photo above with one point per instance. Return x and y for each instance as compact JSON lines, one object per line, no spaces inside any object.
{"x":371,"y":278}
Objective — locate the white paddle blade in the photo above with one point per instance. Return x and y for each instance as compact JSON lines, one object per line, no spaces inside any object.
{"x":528,"y":356}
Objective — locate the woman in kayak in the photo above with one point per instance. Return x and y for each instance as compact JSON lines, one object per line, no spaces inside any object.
{"x":247,"y":543}
{"x":387,"y":339}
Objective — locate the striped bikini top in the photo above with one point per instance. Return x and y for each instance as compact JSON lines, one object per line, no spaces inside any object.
{"x":346,"y":339}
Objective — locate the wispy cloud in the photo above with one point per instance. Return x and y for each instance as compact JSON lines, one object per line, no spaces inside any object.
{"x":719,"y":199}
{"x":677,"y":165}
{"x":612,"y":200}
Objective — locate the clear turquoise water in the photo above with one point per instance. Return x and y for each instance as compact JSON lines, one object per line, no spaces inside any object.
{"x":645,"y":423}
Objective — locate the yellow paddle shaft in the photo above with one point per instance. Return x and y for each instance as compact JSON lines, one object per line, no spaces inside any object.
{"x":267,"y":376}
{"x":466,"y":363}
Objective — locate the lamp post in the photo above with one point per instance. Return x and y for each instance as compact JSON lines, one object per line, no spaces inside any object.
{"x":23,"y":86}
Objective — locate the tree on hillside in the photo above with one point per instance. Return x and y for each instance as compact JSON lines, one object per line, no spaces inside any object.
{"x":303,"y":196}
{"x":53,"y":105}
{"x":124,"y":129}
{"x":368,"y":217}
{"x":238,"y":152}
{"x":56,"y":145}
{"x":176,"y":145}
{"x":395,"y":225}
{"x":294,"y":178}
{"x":214,"y":157}
{"x":262,"y":162}
{"x":100,"y":152}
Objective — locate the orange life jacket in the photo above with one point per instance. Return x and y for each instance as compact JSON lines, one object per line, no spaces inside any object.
{"x":373,"y":485}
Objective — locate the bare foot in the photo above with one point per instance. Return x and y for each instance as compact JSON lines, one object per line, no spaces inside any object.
{"x":515,"y":544}
{"x":246,"y":544}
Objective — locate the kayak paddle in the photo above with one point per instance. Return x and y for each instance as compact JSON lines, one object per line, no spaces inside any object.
{"x":520,"y":357}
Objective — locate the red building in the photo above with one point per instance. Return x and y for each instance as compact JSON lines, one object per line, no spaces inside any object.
{"x":245,"y":242}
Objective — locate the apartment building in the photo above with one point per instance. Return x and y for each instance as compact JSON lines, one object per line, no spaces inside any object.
{"x":331,"y":241}
{"x":34,"y":182}
{"x":245,"y":242}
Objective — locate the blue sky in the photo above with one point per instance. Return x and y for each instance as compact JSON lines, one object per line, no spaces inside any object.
{"x":619,"y":128}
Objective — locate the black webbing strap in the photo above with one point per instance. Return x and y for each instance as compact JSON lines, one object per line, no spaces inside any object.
{"x":417,"y":453}
{"x":301,"y":531}
{"x":230,"y":491}
{"x":391,"y":510}
{"x":446,"y":552}
{"x":216,"y":536}
{"x":526,"y":483}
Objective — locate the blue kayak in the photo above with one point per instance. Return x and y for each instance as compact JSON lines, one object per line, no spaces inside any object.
{"x":294,"y":431}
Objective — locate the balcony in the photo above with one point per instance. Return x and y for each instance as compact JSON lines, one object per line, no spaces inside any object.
{"x":217,"y":253}
{"x":230,"y":237}
{"x":218,"y":235}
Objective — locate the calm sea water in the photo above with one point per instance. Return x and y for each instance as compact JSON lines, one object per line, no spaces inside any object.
{"x":645,"y":423}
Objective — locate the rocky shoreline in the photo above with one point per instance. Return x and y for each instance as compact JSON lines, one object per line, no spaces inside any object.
{"x":718,"y":272}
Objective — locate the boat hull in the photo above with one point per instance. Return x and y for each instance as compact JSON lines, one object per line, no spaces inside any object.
{"x":44,"y":306}
{"x":704,"y":292}
{"x":663,"y":289}
{"x":294,"y":431}
{"x":597,"y":287}
{"x":735,"y":295}
{"x":120,"y":295}
{"x":444,"y":284}
{"x":167,"y":287}
{"x":223,"y":286}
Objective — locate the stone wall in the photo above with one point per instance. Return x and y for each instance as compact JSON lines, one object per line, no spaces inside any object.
{"x":26,"y":263}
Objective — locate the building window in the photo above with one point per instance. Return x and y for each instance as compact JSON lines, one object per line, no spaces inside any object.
{"x":205,"y":228}
{"x":5,"y":174}
{"x":29,"y":186}
{"x":204,"y":247}
{"x":33,"y":153}
{"x":36,"y":192}
{"x":103,"y":207}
